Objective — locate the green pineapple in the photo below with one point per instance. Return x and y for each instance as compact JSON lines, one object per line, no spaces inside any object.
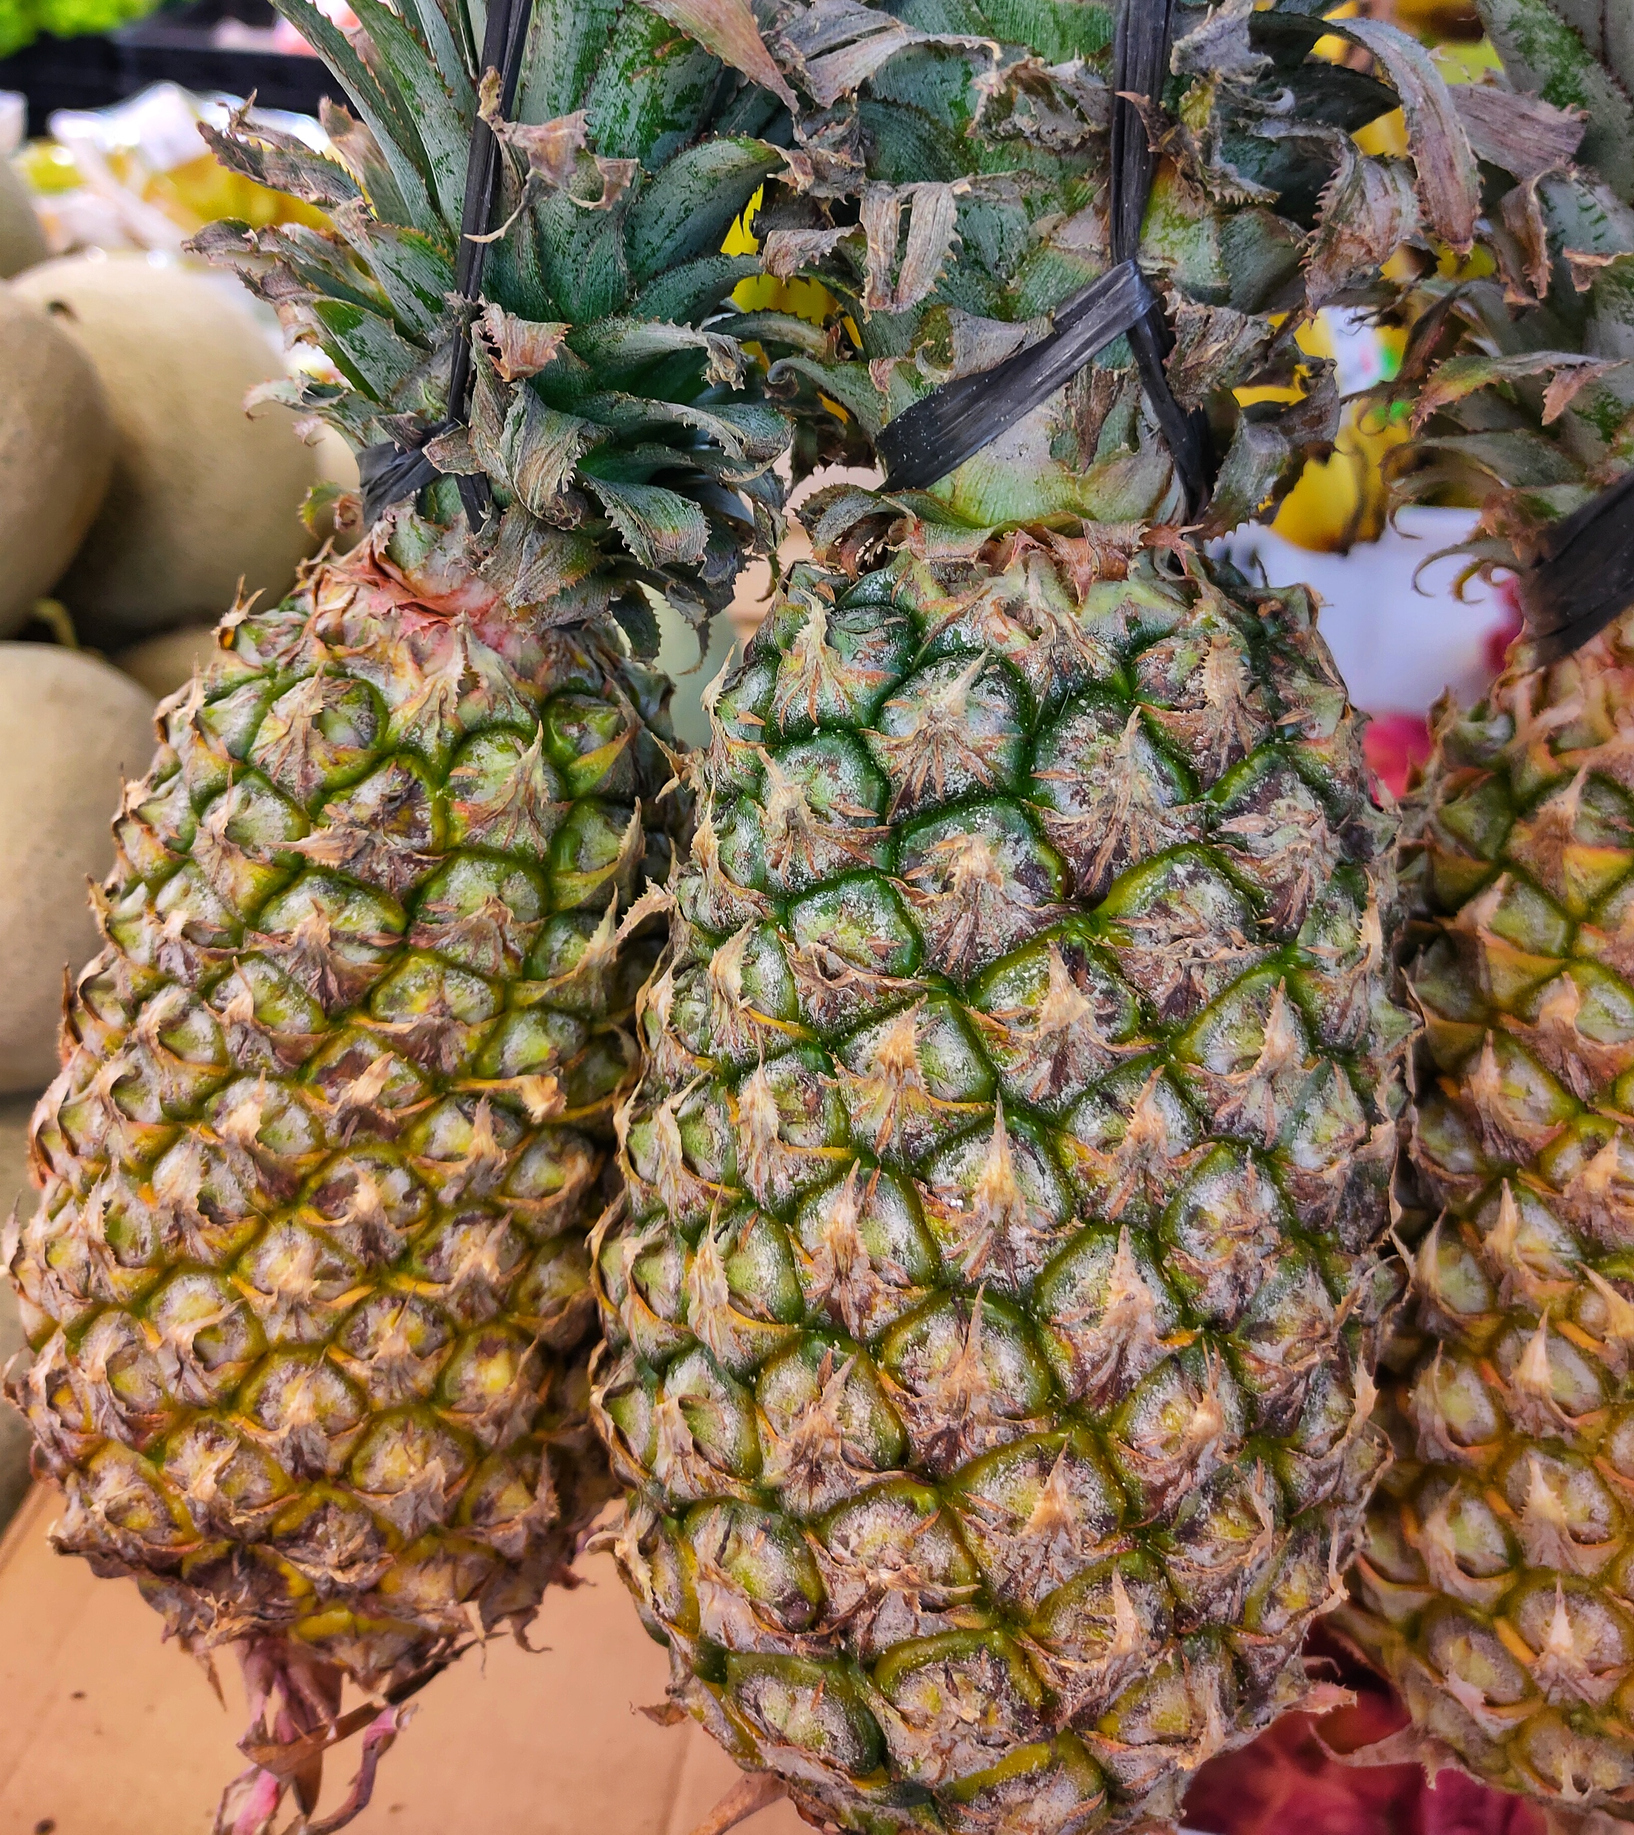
{"x":1493,"y":1583}
{"x":991,"y":1320}
{"x":307,"y":1288}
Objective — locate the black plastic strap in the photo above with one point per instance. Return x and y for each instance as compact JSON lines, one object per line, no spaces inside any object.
{"x":392,"y":471}
{"x":1584,"y":574}
{"x":1140,"y":62}
{"x":956,"y":421}
{"x":935,"y":435}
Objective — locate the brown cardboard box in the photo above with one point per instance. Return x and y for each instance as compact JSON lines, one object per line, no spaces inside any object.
{"x":104,"y":1730}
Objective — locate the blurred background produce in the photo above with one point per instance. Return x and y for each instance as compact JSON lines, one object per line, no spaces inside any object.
{"x":57,"y":445}
{"x":135,"y":492}
{"x":69,"y":57}
{"x":69,"y":725}
{"x":22,"y":21}
{"x":164,"y":663}
{"x":202,"y":495}
{"x":22,"y":238}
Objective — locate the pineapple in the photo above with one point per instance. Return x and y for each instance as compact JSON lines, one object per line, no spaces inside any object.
{"x":991,"y":1314}
{"x":307,"y":1287}
{"x":1493,"y":1584}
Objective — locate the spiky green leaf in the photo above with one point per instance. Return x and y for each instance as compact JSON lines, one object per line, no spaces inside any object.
{"x":393,"y":132}
{"x":1575,"y":59}
{"x":442,"y":128}
{"x":687,"y":208}
{"x":660,"y":527}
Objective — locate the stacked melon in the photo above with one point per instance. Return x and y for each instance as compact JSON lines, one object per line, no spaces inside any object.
{"x":136,"y":496}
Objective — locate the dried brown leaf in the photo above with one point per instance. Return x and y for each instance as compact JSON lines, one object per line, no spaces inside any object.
{"x":1220,"y":46}
{"x":1522,"y":215}
{"x":1448,"y":182}
{"x":555,"y":151}
{"x":1522,"y":135}
{"x":551,"y":148}
{"x":1368,"y":210}
{"x":519,"y":347}
{"x":843,"y":72}
{"x":664,"y":1713}
{"x":751,"y":1794}
{"x":932,"y":224}
{"x":1568,"y":384}
{"x":1586,"y":266}
{"x":1461,"y":376}
{"x":727,"y":28}
{"x":785,"y":252}
{"x":1215,"y":348}
{"x":834,"y":46}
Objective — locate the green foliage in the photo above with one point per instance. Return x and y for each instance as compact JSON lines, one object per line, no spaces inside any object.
{"x":600,"y":404}
{"x":1575,"y":56}
{"x":22,"y":21}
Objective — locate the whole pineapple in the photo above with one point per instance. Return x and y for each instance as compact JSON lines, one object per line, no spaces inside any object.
{"x":307,"y":1288}
{"x":990,"y":1325}
{"x":1494,"y":1584}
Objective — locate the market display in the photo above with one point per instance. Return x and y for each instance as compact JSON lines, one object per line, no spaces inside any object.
{"x":22,"y":241}
{"x":1494,"y":1581}
{"x":1023,"y":1185}
{"x":990,"y":1333}
{"x":307,"y":1286}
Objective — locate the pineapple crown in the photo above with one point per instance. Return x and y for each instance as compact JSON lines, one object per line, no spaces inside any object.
{"x":623,"y":440}
{"x":1520,"y":369}
{"x":943,"y":171}
{"x":959,"y":169}
{"x":965,"y":414}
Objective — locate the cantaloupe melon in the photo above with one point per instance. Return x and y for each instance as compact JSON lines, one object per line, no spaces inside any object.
{"x":202,"y":494}
{"x":56,"y":453}
{"x":22,"y":241}
{"x":69,"y":725}
{"x":165,"y":663}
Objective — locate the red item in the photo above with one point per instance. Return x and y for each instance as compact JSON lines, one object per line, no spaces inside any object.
{"x":1285,"y":1783}
{"x":1394,"y":743}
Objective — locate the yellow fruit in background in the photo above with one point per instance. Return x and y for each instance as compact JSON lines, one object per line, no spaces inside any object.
{"x":192,"y":193}
{"x":801,"y":299}
{"x":201,"y":191}
{"x":47,"y":169}
{"x":1342,"y":500}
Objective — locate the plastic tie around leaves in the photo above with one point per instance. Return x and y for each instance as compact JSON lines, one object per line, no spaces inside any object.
{"x":954,"y":422}
{"x":394,"y":470}
{"x":1583,"y":574}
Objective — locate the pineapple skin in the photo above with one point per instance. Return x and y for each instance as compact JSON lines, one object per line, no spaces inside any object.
{"x":307,"y":1286}
{"x":990,"y":1324}
{"x":1494,"y":1581}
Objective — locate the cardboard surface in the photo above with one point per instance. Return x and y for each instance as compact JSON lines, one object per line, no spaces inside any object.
{"x":104,"y":1730}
